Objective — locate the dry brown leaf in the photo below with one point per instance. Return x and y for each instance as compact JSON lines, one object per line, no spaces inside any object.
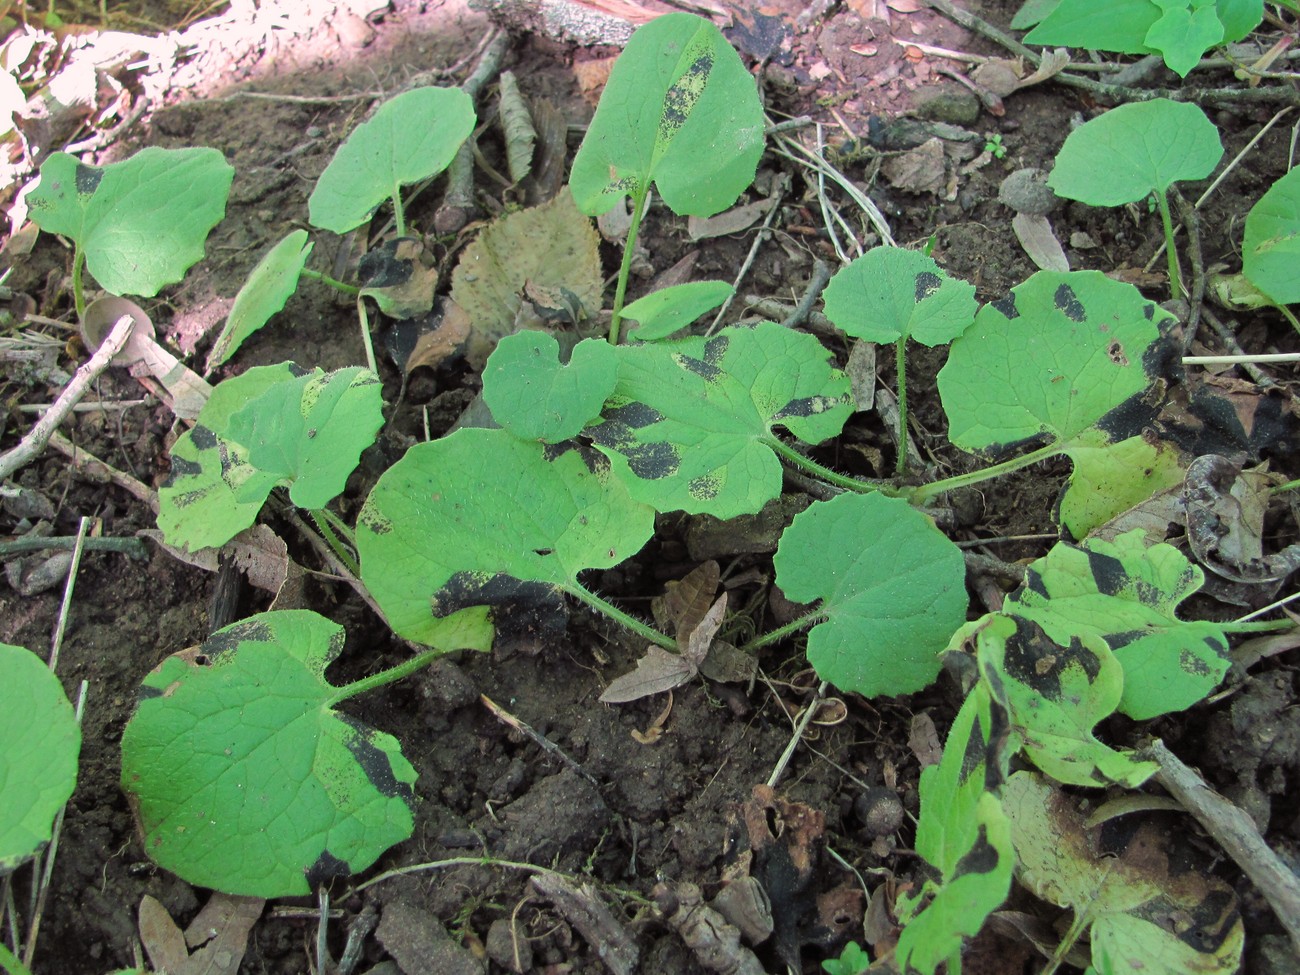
{"x":591,"y":76}
{"x":1036,"y":236}
{"x":656,"y":730}
{"x":685,"y":601}
{"x":923,"y":740}
{"x":919,"y":170}
{"x":658,"y":671}
{"x":218,"y":935}
{"x":1226,"y":507}
{"x":161,"y":936}
{"x":729,"y":221}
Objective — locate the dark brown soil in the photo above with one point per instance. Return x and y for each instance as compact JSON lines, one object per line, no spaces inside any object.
{"x":645,"y":814}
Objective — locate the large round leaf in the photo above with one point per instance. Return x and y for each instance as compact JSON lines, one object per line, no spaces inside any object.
{"x":893,"y":588}
{"x":1270,"y":254}
{"x":482,"y":518}
{"x":243,"y":776}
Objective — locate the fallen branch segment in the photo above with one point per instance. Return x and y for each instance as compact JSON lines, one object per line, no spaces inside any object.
{"x":1233,"y":830}
{"x":30,"y":447}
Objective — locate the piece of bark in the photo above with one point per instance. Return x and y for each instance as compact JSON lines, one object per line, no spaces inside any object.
{"x":583,"y":908}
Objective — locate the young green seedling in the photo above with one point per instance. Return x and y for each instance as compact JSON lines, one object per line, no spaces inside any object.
{"x":1134,"y":151}
{"x":679,"y":112}
{"x":137,"y":225}
{"x":891,"y":295}
{"x":39,"y":744}
{"x":1181,"y":31}
{"x":411,"y":137}
{"x":268,"y":426}
{"x":245,"y":778}
{"x":669,"y":310}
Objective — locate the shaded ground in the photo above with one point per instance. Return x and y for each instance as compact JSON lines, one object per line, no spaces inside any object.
{"x":662,"y":812}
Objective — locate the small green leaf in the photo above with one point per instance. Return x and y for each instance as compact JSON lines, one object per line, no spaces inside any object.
{"x":213,"y":492}
{"x":482,"y":518}
{"x":311,"y":432}
{"x":266,"y":426}
{"x":1270,"y":252}
{"x":1127,"y":594}
{"x":39,"y":744}
{"x":1151,"y":905}
{"x":889,"y":293}
{"x":1133,"y":150}
{"x":535,"y":397}
{"x":680,"y":110}
{"x":964,"y":835}
{"x":1110,"y":478}
{"x":1183,"y":34}
{"x":689,"y":424}
{"x":852,"y":961}
{"x":245,"y":779}
{"x":1056,"y":694}
{"x":891,"y":602}
{"x":412,"y":136}
{"x":141,"y":222}
{"x":1032,"y":12}
{"x":1064,"y":352}
{"x":670,"y":309}
{"x":268,"y":287}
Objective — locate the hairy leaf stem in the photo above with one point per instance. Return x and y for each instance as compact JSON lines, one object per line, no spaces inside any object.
{"x":900,"y":357}
{"x":639,"y":197}
{"x":404,"y":669}
{"x":825,"y":473}
{"x":926,"y":492}
{"x":616,"y":614}
{"x":321,"y":520}
{"x":399,"y":216}
{"x":78,"y":294}
{"x":1176,"y":289}
{"x":347,"y":289}
{"x":781,"y":632}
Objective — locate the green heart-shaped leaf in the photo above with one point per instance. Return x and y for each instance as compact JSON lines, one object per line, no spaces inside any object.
{"x":244,"y":777}
{"x":680,"y":111}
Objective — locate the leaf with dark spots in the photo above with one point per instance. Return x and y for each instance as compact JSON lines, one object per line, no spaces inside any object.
{"x":250,"y":745}
{"x":1006,"y":307}
{"x":326,"y":869}
{"x":203,"y":438}
{"x":891,"y":294}
{"x":1068,"y":303}
{"x":1126,"y":594}
{"x":491,"y":502}
{"x":1047,"y":371}
{"x":87,"y":178}
{"x":1056,"y":688}
{"x":686,"y":426}
{"x":680,"y":111}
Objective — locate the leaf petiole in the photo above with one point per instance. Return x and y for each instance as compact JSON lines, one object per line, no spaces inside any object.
{"x":803,"y":622}
{"x":320,"y":518}
{"x":639,"y":198}
{"x":927,"y":492}
{"x":797,"y":459}
{"x":616,"y":614}
{"x":404,"y":669}
{"x":347,"y":289}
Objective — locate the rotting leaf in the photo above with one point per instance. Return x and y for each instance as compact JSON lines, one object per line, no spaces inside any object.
{"x":508,"y":516}
{"x":964,"y":835}
{"x":1064,"y":352}
{"x":1127,"y":594}
{"x":1149,"y":904}
{"x":680,"y":111}
{"x":1111,"y":478}
{"x":548,"y":246}
{"x":536,"y":397}
{"x":431,"y":340}
{"x":891,"y":603}
{"x":263,"y":294}
{"x":660,"y":670}
{"x":517,"y":123}
{"x":1225,"y":508}
{"x":1055,"y":694}
{"x":690,"y":422}
{"x":260,"y":794}
{"x":398,"y":278}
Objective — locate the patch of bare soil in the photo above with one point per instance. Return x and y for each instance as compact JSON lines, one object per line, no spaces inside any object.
{"x":653,"y":796}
